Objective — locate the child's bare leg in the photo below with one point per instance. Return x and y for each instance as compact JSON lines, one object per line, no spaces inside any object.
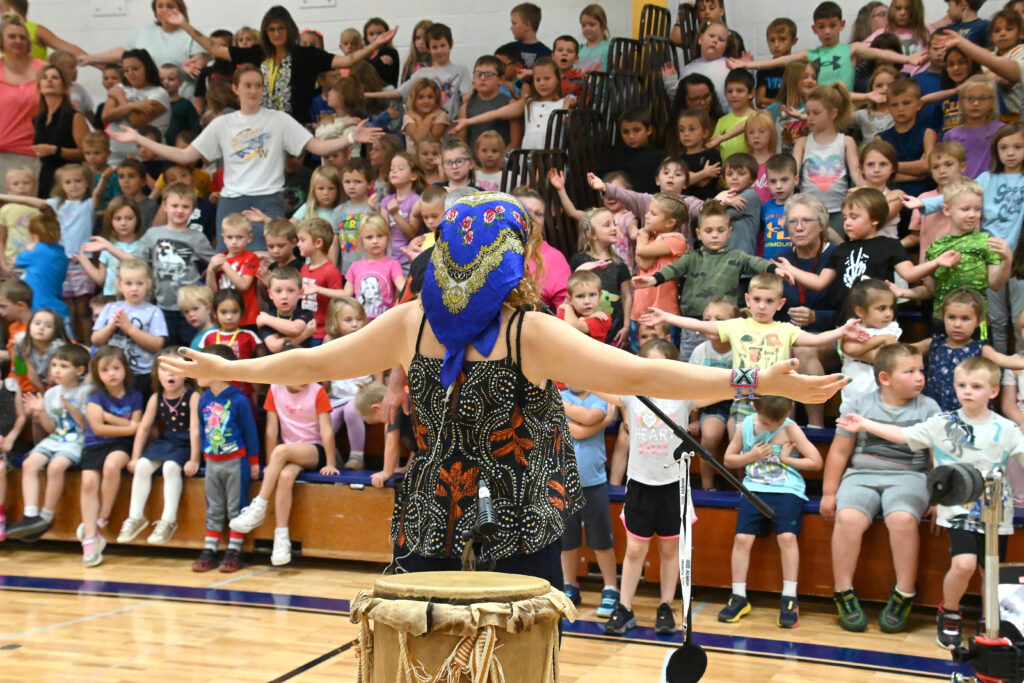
{"x":904,"y":541}
{"x":954,"y":584}
{"x":30,"y":469}
{"x":741,"y":546}
{"x":632,"y":568}
{"x":606,"y":563}
{"x":789,"y":549}
{"x":712,"y":438}
{"x":668,"y":550}
{"x":112,"y":468}
{"x":304,"y":455}
{"x":90,"y":500}
{"x":55,"y":481}
{"x":283,"y":499}
{"x":847,"y":534}
{"x":570,"y":565}
{"x":810,"y":364}
{"x":620,"y":457}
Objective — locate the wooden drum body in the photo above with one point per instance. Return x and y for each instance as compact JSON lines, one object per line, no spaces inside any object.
{"x":478,"y":627}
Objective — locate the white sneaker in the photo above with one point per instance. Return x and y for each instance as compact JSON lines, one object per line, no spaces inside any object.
{"x":94,"y":557}
{"x":162,"y":532}
{"x":80,"y":532}
{"x":251,"y":516}
{"x":282,"y":553}
{"x":131,"y":528}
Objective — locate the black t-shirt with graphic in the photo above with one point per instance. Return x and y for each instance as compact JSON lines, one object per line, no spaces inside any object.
{"x":857,"y":260}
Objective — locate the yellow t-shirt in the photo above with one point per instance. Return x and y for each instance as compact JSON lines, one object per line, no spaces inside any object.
{"x":732,"y":145}
{"x":15,"y":218}
{"x":758,"y":345}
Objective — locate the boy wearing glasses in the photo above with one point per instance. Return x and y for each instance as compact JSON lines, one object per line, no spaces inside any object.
{"x":487,"y":96}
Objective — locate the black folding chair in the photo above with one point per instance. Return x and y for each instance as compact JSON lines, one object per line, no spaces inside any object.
{"x":654,"y":21}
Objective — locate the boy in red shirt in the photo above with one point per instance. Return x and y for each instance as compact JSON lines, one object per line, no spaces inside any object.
{"x":237,"y":267}
{"x":315,"y":236}
{"x":581,"y":308}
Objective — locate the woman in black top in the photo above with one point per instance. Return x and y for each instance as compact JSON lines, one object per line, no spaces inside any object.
{"x":484,"y":406}
{"x":289,"y":69}
{"x":59,"y":129}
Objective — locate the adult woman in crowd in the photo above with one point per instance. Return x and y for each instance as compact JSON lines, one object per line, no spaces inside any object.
{"x":39,"y":36}
{"x":252,"y":143}
{"x":18,"y":94}
{"x":549,"y":269}
{"x":165,"y":41}
{"x":806,"y":221}
{"x":289,"y":69}
{"x":485,"y":406}
{"x":59,"y":129}
{"x":139,"y":101}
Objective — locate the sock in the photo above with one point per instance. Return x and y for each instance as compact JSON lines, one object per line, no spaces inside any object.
{"x":235,"y":541}
{"x":31,"y":511}
{"x":281,"y":531}
{"x":355,"y":455}
{"x":740,"y":589}
{"x":789,"y":589}
{"x":259,"y":502}
{"x":611,"y":588}
{"x":212,"y":540}
{"x":101,"y":523}
{"x":905,"y":595}
{"x":47,"y":515}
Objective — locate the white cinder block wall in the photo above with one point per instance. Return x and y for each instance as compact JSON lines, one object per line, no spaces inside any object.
{"x":479,"y":26}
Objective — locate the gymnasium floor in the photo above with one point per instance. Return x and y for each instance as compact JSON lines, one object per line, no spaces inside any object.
{"x":144,"y":616}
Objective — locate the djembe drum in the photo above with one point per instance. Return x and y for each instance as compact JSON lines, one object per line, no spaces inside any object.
{"x":479,"y":627}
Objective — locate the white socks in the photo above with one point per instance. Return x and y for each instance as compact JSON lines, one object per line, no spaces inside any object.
{"x":31,"y":511}
{"x":142,"y":483}
{"x":789,"y":589}
{"x":740,"y":589}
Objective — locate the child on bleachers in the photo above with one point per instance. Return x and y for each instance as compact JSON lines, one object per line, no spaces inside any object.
{"x":979,"y":122}
{"x":598,"y":232}
{"x":457,"y":159}
{"x":14,"y":216}
{"x":113,"y":412}
{"x":12,"y":421}
{"x":43,"y":264}
{"x":122,"y":228}
{"x":228,"y":309}
{"x":704,"y":164}
{"x":133,"y":324}
{"x":281,"y":239}
{"x":714,"y":353}
{"x":711,"y":271}
{"x":15,"y":312}
{"x":882,"y":478}
{"x":95,"y":155}
{"x":419,"y":56}
{"x":652,"y":499}
{"x":799,"y":79}
{"x":774,"y":450}
{"x":565,"y":52}
{"x":660,"y":243}
{"x":487,"y":96}
{"x":867,"y":254}
{"x":490,"y":154}
{"x":344,"y":316}
{"x":593,"y":54}
{"x":878,"y":164}
{"x":287,"y":325}
{"x":428,"y":156}
{"x":345,"y":219}
{"x":947,"y":161}
{"x":58,"y":413}
{"x":183,"y":112}
{"x":424,"y":114}
{"x":299,"y":437}
{"x":236,"y":267}
{"x":763,"y":143}
{"x":874,"y":305}
{"x":325,"y":194}
{"x":34,"y":348}
{"x":314,"y":239}
{"x":231,"y":449}
{"x":713,"y":41}
{"x":131,"y":178}
{"x":828,"y":158}
{"x":781,"y":36}
{"x":970,"y":434}
{"x":624,"y":219}
{"x":173,"y":409}
{"x":636,"y":157}
{"x":781,"y":176}
{"x":742,"y":202}
{"x":406,"y":183}
{"x":581,"y":309}
{"x":377,"y":278}
{"x":875,"y":117}
{"x":587,"y":416}
{"x":728,"y":133}
{"x":196,"y":304}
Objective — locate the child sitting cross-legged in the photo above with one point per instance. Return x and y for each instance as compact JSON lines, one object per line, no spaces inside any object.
{"x":299,"y":437}
{"x":973,"y":435}
{"x":774,"y":450}
{"x":173,"y":409}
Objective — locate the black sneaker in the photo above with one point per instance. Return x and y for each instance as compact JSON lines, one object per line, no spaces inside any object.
{"x":621,"y":620}
{"x":734,"y":609}
{"x":950,"y":628}
{"x":665,"y":622}
{"x":573,"y":593}
{"x":32,"y":538}
{"x":789,"y":613}
{"x":893,"y":618}
{"x":851,"y":616}
{"x":28,"y":526}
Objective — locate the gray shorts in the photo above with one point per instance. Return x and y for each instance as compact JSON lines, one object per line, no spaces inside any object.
{"x":51,"y":447}
{"x":878,"y":491}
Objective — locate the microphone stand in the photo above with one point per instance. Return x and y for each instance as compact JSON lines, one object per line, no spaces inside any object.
{"x":689,"y":662}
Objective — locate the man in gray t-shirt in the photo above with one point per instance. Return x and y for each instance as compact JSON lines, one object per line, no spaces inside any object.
{"x":883,"y":478}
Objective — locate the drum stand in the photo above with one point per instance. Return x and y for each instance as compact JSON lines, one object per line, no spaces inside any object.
{"x":689,"y":662}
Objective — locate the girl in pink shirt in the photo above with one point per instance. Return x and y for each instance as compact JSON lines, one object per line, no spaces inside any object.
{"x":375,"y":279}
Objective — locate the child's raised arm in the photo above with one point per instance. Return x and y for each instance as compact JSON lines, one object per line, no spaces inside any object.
{"x":807,"y":455}
{"x":851,"y":331}
{"x":557,"y":180}
{"x":761,"y":64}
{"x":866,"y":350}
{"x":1001,"y":359}
{"x":512,"y":110}
{"x":911,"y":273}
{"x":865,"y":51}
{"x":854,"y":423}
{"x":23,"y":199}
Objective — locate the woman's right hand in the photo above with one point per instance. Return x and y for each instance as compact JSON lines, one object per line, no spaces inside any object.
{"x":127,"y":134}
{"x":782,"y":379}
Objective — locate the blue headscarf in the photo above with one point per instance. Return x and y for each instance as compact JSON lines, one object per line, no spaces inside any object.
{"x":477,"y":260}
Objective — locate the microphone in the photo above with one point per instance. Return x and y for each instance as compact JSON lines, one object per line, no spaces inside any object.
{"x":486,"y":522}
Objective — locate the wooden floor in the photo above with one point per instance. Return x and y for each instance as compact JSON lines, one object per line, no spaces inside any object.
{"x":144,"y":616}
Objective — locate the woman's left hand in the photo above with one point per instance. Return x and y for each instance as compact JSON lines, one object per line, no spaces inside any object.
{"x":202,"y":367}
{"x":43,"y":150}
{"x":782,"y":379}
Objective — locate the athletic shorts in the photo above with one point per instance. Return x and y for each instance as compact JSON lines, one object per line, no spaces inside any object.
{"x":963,"y":542}
{"x":651,"y":510}
{"x":788,"y":509}
{"x":51,"y":447}
{"x":595,"y":516}
{"x":94,"y":456}
{"x":717,"y":411}
{"x":879,"y":491}
{"x":321,"y":457}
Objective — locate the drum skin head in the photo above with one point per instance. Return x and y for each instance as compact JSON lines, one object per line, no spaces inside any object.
{"x":460,"y":587}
